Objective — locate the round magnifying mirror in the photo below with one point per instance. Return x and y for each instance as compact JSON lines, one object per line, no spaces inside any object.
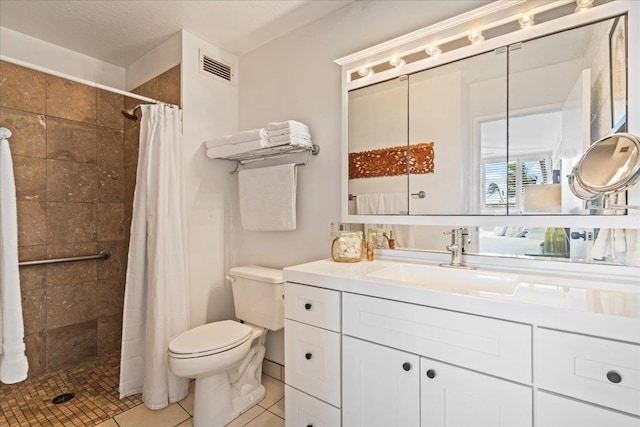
{"x":577,"y":189}
{"x":610,"y":165}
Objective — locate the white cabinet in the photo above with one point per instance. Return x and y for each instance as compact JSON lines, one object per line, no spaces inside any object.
{"x":556,"y":411}
{"x":302,"y":410}
{"x":312,"y":356}
{"x":597,"y":370}
{"x":457,"y":397}
{"x":381,"y":385}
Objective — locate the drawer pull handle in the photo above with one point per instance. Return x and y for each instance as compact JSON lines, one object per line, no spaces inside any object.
{"x":431,"y":373}
{"x":307,"y":306}
{"x":614,"y":377}
{"x":307,"y":356}
{"x":406,"y":366}
{"x":309,"y":425}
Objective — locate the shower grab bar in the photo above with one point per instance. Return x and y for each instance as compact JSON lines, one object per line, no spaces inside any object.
{"x":101,"y":255}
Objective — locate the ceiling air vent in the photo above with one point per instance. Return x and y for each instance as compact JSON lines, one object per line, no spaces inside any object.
{"x":216,"y":69}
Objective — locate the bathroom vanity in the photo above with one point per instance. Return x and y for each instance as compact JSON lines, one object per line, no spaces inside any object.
{"x":389,"y":343}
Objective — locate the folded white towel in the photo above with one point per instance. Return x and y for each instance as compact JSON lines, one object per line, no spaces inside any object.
{"x":292,"y":130}
{"x":285,"y":124}
{"x":249,"y":135}
{"x":13,"y":362}
{"x":301,"y":141}
{"x":233,"y":149}
{"x":268,"y":198}
{"x":238,"y":138}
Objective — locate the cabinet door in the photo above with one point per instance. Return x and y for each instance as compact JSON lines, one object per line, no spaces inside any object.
{"x":380,"y":386}
{"x":456,"y":397}
{"x":554,"y":411}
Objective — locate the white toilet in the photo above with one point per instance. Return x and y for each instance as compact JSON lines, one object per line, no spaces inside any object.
{"x":225,"y":357}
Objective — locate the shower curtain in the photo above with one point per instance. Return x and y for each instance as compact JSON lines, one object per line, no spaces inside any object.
{"x":156,"y":295}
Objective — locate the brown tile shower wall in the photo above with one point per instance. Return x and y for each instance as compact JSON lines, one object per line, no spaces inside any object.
{"x":74,"y":163}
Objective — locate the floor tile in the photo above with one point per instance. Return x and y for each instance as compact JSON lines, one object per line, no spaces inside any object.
{"x":278,"y":408}
{"x":108,"y":423}
{"x":246,"y":417}
{"x":274,"y":391}
{"x":188,"y":423}
{"x":266,"y":419}
{"x":141,"y":416}
{"x":187,"y":402}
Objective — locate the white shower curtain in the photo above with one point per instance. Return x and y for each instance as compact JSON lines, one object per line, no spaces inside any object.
{"x":156,"y":296}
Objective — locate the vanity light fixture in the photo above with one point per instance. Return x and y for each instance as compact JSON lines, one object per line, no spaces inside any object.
{"x":396,"y":62}
{"x":475,"y":37}
{"x":583,"y":5}
{"x":433,"y":50}
{"x":526,"y":21}
{"x":365,"y":71}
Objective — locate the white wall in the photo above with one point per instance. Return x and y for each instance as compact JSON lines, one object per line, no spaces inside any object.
{"x":210,"y":109}
{"x":40,"y":53}
{"x":160,"y":59}
{"x":294,"y":77}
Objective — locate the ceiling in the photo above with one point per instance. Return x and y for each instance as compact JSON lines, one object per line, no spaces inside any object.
{"x":121,"y":31}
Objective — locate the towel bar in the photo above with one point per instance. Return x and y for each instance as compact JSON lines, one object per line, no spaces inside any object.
{"x":420,"y":195}
{"x":101,"y":255}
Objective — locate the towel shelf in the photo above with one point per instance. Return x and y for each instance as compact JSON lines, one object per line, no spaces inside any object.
{"x":271,"y":153}
{"x":101,"y":255}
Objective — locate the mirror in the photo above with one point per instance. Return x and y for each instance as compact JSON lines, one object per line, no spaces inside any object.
{"x":494,"y":134}
{"x":609,"y":166}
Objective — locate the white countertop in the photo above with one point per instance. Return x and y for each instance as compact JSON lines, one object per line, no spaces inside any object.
{"x":597,"y":307}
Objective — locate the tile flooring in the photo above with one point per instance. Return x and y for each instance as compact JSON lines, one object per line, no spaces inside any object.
{"x":96,"y":402}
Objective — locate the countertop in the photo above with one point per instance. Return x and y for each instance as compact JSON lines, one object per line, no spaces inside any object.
{"x":596,"y":307}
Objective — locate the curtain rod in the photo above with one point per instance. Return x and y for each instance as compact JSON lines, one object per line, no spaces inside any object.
{"x":79,"y":80}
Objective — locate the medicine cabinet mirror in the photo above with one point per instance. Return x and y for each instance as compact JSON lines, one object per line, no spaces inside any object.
{"x":493,"y":134}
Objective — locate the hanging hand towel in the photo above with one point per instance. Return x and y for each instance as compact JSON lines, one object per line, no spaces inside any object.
{"x":13,"y":362}
{"x":268,"y":198}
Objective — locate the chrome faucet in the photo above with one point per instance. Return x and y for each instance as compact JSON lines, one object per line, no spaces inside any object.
{"x":458,"y":247}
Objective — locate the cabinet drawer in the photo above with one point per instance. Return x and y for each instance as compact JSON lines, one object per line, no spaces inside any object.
{"x":302,"y":410}
{"x":592,"y":369}
{"x":314,"y":306}
{"x":494,"y":346}
{"x":554,"y":411}
{"x":312,"y":360}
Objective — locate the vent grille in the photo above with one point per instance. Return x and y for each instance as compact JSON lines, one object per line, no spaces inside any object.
{"x":216,"y":68}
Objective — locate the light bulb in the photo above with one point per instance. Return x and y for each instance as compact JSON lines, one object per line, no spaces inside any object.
{"x":583,"y":5}
{"x":526,"y":21}
{"x":433,"y":50}
{"x":396,"y":62}
{"x":364,"y":71}
{"x":475,"y":37}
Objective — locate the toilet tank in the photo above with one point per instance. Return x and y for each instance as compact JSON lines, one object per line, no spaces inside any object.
{"x":258,"y":294}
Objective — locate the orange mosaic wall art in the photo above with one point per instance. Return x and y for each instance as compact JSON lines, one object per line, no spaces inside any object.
{"x":392,"y":161}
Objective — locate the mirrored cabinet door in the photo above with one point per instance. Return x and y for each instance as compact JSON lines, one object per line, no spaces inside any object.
{"x":562,"y":98}
{"x":378,"y":117}
{"x":460,"y":110}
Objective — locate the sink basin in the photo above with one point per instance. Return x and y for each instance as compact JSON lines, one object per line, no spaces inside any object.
{"x":475,"y":282}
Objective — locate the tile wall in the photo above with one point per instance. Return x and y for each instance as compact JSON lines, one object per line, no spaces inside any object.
{"x":74,"y":163}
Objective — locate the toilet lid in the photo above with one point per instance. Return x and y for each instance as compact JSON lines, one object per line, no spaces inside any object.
{"x":211,"y":338}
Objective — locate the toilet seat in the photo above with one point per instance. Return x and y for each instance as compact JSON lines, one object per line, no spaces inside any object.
{"x":209,"y":339}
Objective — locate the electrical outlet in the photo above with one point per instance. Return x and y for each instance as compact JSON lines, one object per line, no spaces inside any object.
{"x":589,"y":236}
{"x":333,"y":228}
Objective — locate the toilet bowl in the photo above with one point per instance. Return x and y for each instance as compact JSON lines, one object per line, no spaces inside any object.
{"x":225,"y":357}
